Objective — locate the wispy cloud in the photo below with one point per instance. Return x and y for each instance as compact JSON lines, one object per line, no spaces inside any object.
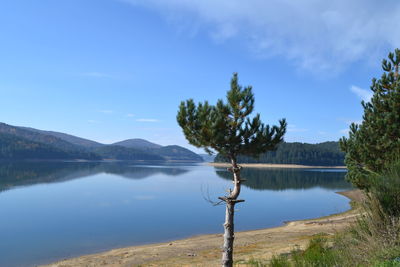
{"x":106,"y":111}
{"x":147,"y":120}
{"x":361,"y":93}
{"x":322,"y":36}
{"x":293,"y":128}
{"x":130,"y":115}
{"x":93,"y":121}
{"x":108,"y":141}
{"x":354,"y":121}
{"x":144,"y":197}
{"x":349,"y":122}
{"x":97,"y":74}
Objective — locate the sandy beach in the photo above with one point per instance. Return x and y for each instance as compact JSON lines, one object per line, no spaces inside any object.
{"x":205,"y":250}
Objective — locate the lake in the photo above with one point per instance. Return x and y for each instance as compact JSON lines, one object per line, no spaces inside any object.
{"x":57,"y":210}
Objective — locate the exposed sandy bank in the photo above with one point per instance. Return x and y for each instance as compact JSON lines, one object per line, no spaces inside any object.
{"x":205,"y":250}
{"x":264,"y":165}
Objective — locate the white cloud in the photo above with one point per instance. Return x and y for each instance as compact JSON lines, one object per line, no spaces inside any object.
{"x":147,"y":120}
{"x":319,"y":36}
{"x":93,"y":121}
{"x":130,"y":115}
{"x":361,"y":93}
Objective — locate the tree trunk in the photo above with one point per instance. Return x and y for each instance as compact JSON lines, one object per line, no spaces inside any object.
{"x":229,"y":236}
{"x":231,"y":200}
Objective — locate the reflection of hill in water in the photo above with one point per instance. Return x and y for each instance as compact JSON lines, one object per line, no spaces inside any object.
{"x":13,"y":174}
{"x":281,"y":179}
{"x":140,"y":172}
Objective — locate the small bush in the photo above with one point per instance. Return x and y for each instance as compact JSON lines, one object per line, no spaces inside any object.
{"x":256,"y":263}
{"x":376,"y":235}
{"x":390,"y":263}
{"x":317,"y":254}
{"x":280,"y":261}
{"x":385,"y":188}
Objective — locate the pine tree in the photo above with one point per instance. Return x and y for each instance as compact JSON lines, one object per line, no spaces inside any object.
{"x":226,"y":128}
{"x":375,"y":143}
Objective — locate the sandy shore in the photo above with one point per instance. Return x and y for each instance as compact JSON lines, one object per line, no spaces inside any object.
{"x":205,"y":250}
{"x":264,"y":165}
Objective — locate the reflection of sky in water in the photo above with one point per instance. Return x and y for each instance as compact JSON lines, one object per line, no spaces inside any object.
{"x":119,"y":205}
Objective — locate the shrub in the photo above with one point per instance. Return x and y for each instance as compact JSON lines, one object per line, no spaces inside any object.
{"x":318,"y":254}
{"x":385,"y":188}
{"x":280,"y":261}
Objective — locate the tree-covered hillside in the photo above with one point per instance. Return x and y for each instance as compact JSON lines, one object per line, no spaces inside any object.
{"x":177,"y":153}
{"x":39,"y":137}
{"x":125,"y":153}
{"x":322,"y":154}
{"x":138,"y":144}
{"x":75,"y":140}
{"x":18,"y":148}
{"x":22,"y":143}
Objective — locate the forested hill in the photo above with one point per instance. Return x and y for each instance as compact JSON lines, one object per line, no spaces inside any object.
{"x":18,"y":148}
{"x":22,"y":143}
{"x":138,"y":144}
{"x":322,"y":154}
{"x":78,"y":141}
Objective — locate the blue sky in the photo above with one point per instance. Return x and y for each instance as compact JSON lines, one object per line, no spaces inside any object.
{"x":110,"y":70}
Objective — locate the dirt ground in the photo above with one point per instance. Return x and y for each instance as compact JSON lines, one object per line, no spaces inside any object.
{"x":205,"y":250}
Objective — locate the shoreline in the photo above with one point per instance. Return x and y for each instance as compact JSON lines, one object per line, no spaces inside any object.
{"x":270,"y":165}
{"x":205,"y":250}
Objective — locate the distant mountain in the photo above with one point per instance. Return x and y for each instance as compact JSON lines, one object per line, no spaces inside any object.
{"x":207,"y":157}
{"x":177,"y":153}
{"x":19,"y":148}
{"x":28,"y":143}
{"x":36,"y":136}
{"x":322,"y":154}
{"x":137,"y":143}
{"x":125,"y":153}
{"x":68,"y":138}
{"x":172,"y":152}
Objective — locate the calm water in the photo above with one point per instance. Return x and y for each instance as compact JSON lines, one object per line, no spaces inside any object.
{"x":51,"y":211}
